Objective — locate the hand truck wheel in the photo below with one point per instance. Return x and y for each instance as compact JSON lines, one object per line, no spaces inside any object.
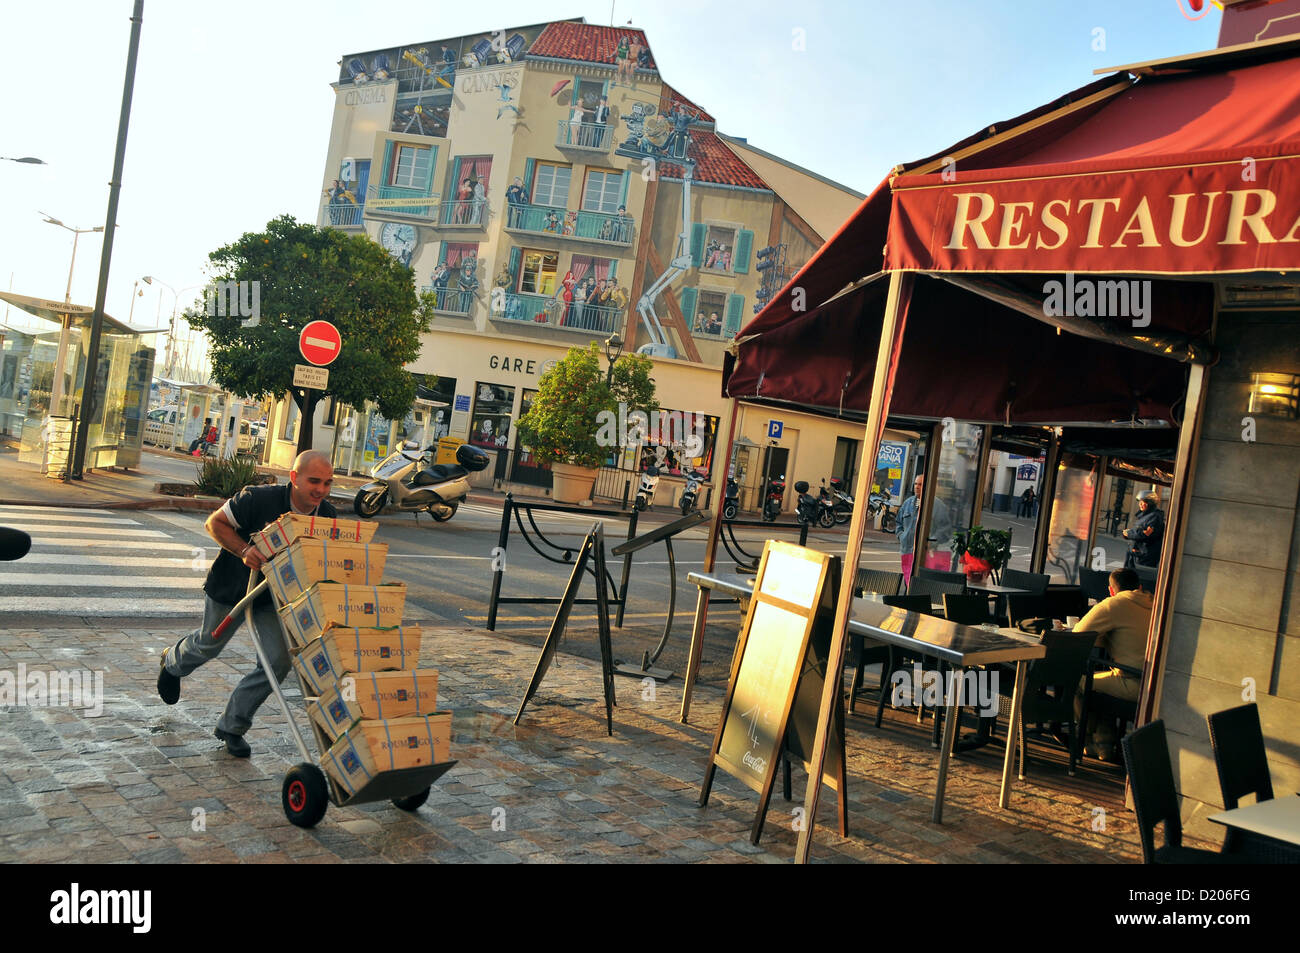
{"x":413,"y":802}
{"x":305,"y":795}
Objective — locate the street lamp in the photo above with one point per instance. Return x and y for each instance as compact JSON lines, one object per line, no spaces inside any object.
{"x":613,"y":350}
{"x":169,"y":364}
{"x":56,"y":398}
{"x":28,"y":160}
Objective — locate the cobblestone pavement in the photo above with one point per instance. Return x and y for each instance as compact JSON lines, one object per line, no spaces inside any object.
{"x":148,"y":783}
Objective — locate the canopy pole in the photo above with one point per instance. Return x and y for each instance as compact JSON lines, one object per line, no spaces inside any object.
{"x":921,"y":537}
{"x":1043,"y":531}
{"x":887,"y":353}
{"x":1180,"y":498}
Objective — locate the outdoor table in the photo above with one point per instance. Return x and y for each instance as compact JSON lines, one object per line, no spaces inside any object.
{"x":996,"y":593}
{"x":731,"y":586}
{"x":961,"y":646}
{"x":1273,"y":824}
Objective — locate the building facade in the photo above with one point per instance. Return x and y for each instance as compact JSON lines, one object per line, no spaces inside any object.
{"x":534,"y":179}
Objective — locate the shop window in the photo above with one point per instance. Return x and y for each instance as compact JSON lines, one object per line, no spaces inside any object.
{"x":537,"y":272}
{"x":602,"y":190}
{"x":490,"y":420}
{"x":551,"y":185}
{"x":679,"y":441}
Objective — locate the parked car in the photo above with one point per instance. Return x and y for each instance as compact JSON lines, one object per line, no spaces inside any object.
{"x":159,"y":424}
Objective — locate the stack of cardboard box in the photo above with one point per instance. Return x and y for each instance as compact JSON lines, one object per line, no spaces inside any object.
{"x":372,"y":703}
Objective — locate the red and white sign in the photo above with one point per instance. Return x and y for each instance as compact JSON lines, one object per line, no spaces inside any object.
{"x":320,"y":342}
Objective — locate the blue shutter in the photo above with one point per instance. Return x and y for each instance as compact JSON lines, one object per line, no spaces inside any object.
{"x":433,"y":162}
{"x":530,"y":168}
{"x":627,"y":180}
{"x":744,"y":245}
{"x":442,"y":255}
{"x":687,"y":301}
{"x":515,"y":255}
{"x":386,"y":176}
{"x":735,"y":308}
{"x":698,"y":235}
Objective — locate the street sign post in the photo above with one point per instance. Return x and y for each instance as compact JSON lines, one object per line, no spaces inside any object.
{"x":311,"y":377}
{"x":320,"y":342}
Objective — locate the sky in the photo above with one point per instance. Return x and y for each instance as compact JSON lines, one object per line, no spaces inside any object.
{"x":232,"y":104}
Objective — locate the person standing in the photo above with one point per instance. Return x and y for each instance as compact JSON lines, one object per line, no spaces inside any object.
{"x":1147,"y":533}
{"x":1027,"y":502}
{"x":232,"y":526}
{"x":601,"y":120}
{"x":908,"y":514}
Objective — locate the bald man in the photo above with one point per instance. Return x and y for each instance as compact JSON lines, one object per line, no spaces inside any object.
{"x":232,"y":526}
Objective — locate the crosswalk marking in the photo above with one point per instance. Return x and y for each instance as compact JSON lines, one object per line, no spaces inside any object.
{"x":66,"y":518}
{"x":13,"y":510}
{"x":115,"y":606}
{"x":43,"y":530}
{"x":119,"y":544}
{"x":142,"y":562}
{"x":117,"y":581}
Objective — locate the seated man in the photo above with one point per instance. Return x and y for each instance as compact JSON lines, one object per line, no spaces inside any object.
{"x":1123,"y":622}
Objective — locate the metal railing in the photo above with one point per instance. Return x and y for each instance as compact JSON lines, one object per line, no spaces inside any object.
{"x":590,"y":226}
{"x":583,"y":135}
{"x":468,"y":214}
{"x":343,"y":214}
{"x":450,"y":300}
{"x":547,"y":310}
{"x":429,"y":208}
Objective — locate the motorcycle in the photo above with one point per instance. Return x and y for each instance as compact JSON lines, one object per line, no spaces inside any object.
{"x":842,"y":503}
{"x":731,"y":503}
{"x":775,"y":497}
{"x":875,"y":503}
{"x":692,"y":492}
{"x":812,"y":509}
{"x":409,"y":480}
{"x":645,"y":493}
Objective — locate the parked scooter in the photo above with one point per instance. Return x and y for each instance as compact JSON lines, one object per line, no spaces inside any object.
{"x":645,"y":493}
{"x":731,"y":503}
{"x":812,"y":509}
{"x":692,"y":492}
{"x":841,"y":502}
{"x":775,"y":497}
{"x":875,"y":503}
{"x":409,"y":480}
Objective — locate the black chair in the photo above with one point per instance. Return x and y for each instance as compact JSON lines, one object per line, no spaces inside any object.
{"x":1095,"y":583}
{"x":1050,"y":688}
{"x":1035,"y":582}
{"x":936,"y":587}
{"x":1146,"y":756}
{"x":971,"y":609}
{"x":1066,"y":601}
{"x":898,"y":659}
{"x":1146,"y":578}
{"x":1103,"y":707}
{"x":884,"y":583}
{"x":939,"y":575}
{"x":1027,"y":607}
{"x":1239,"y":756}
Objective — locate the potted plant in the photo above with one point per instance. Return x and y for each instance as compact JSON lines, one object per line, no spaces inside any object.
{"x":567,"y":425}
{"x":982,"y":551}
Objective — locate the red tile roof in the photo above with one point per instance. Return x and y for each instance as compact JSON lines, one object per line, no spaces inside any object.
{"x":714,"y":162}
{"x":585,"y":42}
{"x":676,"y":99}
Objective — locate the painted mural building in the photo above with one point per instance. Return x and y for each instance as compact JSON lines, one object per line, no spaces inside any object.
{"x":550,"y":189}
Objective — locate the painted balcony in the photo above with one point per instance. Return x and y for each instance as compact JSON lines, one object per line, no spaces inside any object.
{"x":451,"y":301}
{"x":596,"y":227}
{"x":469,"y":214}
{"x":546,"y":311}
{"x":583,"y":136}
{"x":342,"y":215}
{"x":388,"y":203}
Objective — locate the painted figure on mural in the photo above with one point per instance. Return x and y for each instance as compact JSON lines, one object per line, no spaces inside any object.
{"x":570,"y":223}
{"x":601,"y":121}
{"x":516,"y":199}
{"x":552,"y":223}
{"x":479,"y":207}
{"x":622,"y":225}
{"x":623,"y":62}
{"x":579,"y":303}
{"x":467,"y":281}
{"x":504,"y":91}
{"x":633,"y":57}
{"x":464,"y":195}
{"x":441,"y":275}
{"x":575,"y":122}
{"x":566,"y":295}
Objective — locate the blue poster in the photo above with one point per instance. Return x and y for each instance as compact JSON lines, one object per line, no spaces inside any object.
{"x":890,"y":464}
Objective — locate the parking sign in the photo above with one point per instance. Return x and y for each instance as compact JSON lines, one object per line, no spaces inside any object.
{"x":774,"y":428}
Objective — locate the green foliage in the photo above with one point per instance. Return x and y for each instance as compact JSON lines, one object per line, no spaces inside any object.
{"x":225,"y":478}
{"x":308,"y":273}
{"x":992,"y":546}
{"x":563,"y":423}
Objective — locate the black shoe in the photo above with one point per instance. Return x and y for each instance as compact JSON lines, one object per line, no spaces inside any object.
{"x":169,"y":685}
{"x":235,"y":744}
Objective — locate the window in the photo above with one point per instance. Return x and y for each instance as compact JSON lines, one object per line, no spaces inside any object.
{"x":719,"y":248}
{"x":537,"y":276}
{"x":710,"y":314}
{"x":674,"y":435}
{"x":411,"y":166}
{"x":490,"y":421}
{"x":456,"y":251}
{"x":602,"y":191}
{"x":551,"y":185}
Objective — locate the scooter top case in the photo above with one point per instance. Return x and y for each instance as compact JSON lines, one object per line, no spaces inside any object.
{"x":469,"y":460}
{"x":801,"y":486}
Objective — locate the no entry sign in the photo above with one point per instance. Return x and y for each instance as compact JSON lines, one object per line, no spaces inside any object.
{"x":320,"y":342}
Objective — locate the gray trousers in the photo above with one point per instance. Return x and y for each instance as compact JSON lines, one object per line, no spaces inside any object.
{"x":253,"y":689}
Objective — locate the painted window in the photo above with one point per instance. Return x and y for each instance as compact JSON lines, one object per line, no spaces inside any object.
{"x":411,"y":165}
{"x":602,"y":190}
{"x":537,"y":274}
{"x":719,"y":248}
{"x":551,"y":185}
{"x":710,"y":314}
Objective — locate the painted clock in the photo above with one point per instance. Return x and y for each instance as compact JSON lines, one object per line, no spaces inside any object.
{"x":399,"y":240}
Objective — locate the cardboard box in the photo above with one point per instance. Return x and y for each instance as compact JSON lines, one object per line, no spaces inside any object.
{"x":371,"y":695}
{"x":333,"y":603}
{"x":310,"y":560}
{"x":341,"y":650}
{"x":277,"y":536}
{"x":370,"y":747}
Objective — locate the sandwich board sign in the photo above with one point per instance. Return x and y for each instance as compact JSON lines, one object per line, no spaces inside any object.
{"x":774,"y":693}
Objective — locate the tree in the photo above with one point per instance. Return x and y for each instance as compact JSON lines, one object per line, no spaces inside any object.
{"x":568,"y":421}
{"x":305,"y":273}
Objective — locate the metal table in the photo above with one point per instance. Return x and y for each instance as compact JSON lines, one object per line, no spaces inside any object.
{"x":1275,"y":823}
{"x":959,"y":645}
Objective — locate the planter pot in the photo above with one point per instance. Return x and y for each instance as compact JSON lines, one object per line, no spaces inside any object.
{"x":571,"y":484}
{"x":977,"y":577}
